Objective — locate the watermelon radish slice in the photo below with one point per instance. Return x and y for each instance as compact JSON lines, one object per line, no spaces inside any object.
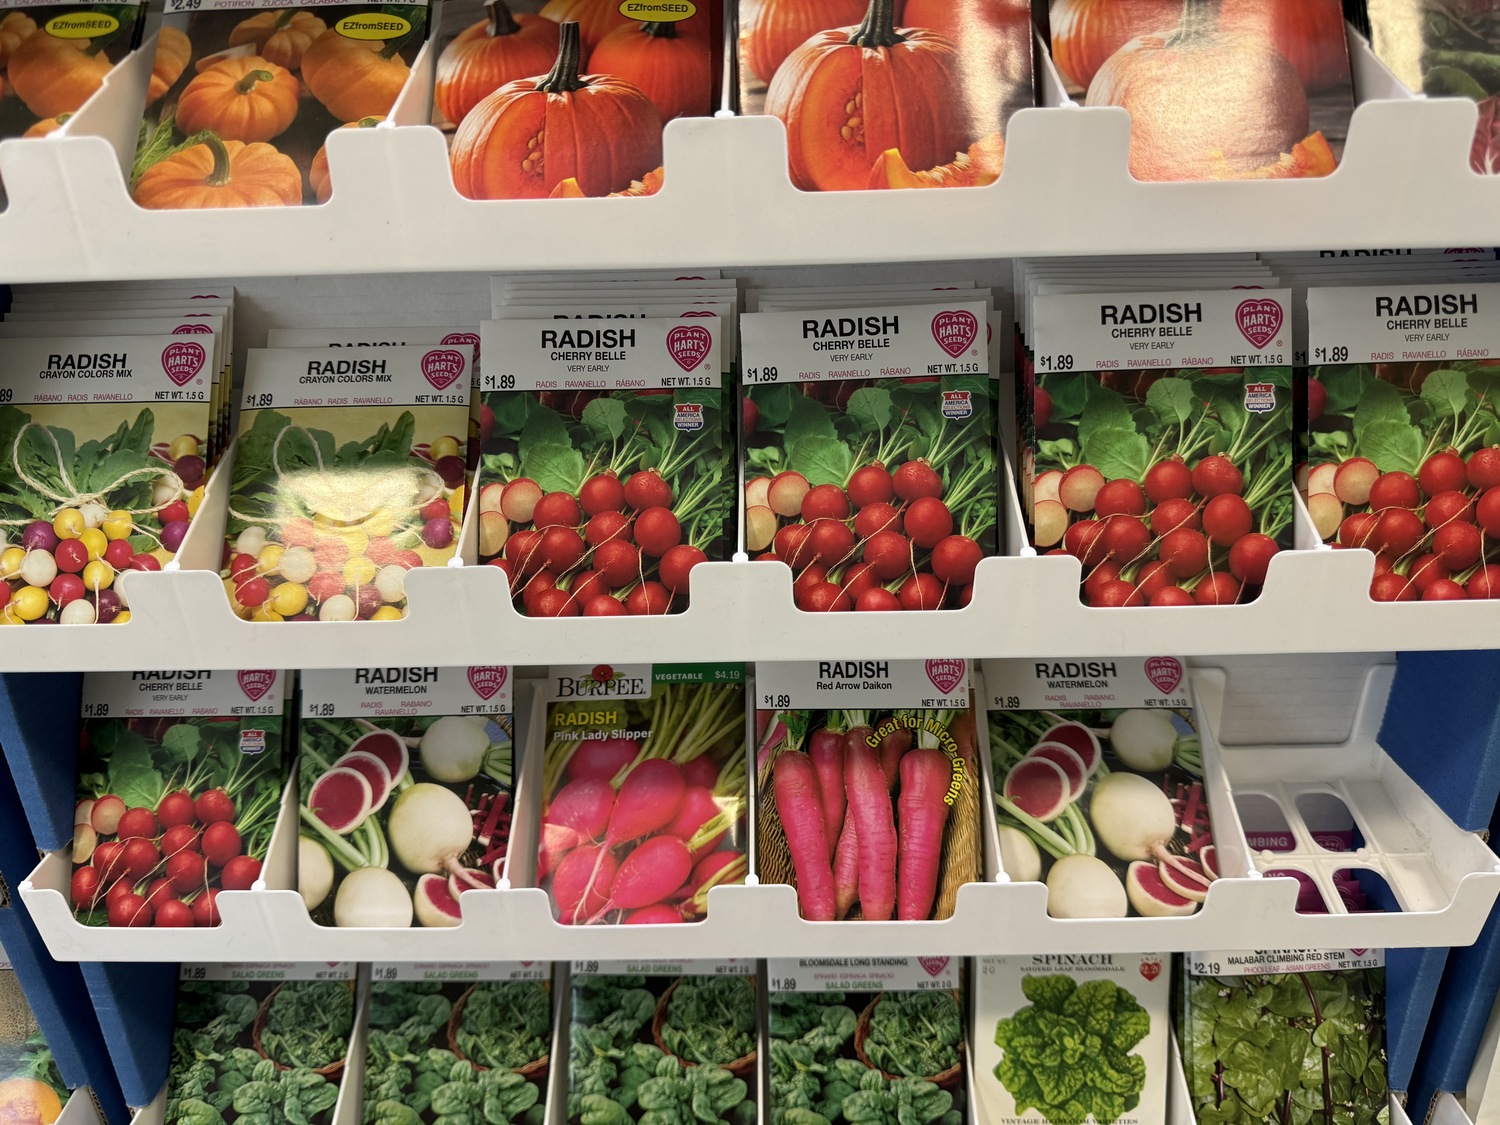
{"x":1186,"y":877}
{"x":1208,"y":856}
{"x":1070,"y":760}
{"x":389,"y":748}
{"x":374,"y":772}
{"x":435,"y":905}
{"x":340,"y":799}
{"x":472,"y":881}
{"x":1078,"y":738}
{"x":1038,"y":787}
{"x":1151,"y":897}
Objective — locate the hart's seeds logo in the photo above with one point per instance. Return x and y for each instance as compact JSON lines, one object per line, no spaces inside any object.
{"x":1259,"y":320}
{"x":183,"y":360}
{"x":487,"y":679}
{"x":442,"y":367}
{"x":955,"y":331}
{"x":946,"y":674}
{"x":256,"y":682}
{"x":1164,"y":672}
{"x":688,"y":345}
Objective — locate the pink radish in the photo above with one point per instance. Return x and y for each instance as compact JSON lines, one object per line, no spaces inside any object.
{"x":846,"y":870}
{"x":374,"y":771}
{"x":649,"y":799}
{"x":602,"y":758}
{"x":659,"y":915}
{"x":388,"y":747}
{"x":583,"y":882}
{"x":1070,"y":760}
{"x":709,"y":866}
{"x":702,"y":770}
{"x":585,"y":806}
{"x":826,"y":749}
{"x":340,"y":799}
{"x":870,"y":808}
{"x":892,"y":746}
{"x":556,"y":842}
{"x":796,"y":788}
{"x":1078,"y":738}
{"x":1039,"y":788}
{"x":926,"y":774}
{"x":651,"y":872}
{"x":698,"y":808}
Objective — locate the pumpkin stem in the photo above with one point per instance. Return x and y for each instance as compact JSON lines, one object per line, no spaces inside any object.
{"x":220,"y":174}
{"x":659,"y":29}
{"x":284,"y":19}
{"x":564,"y":77}
{"x":501,"y":21}
{"x":368,"y":122}
{"x":1199,"y":17}
{"x":248,"y":83}
{"x":878,"y":28}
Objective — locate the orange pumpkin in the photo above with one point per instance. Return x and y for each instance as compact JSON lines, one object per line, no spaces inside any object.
{"x":15,"y":27}
{"x":994,"y":40}
{"x":281,"y":36}
{"x":776,"y":28}
{"x":317,"y":174}
{"x":527,"y":137}
{"x":29,"y":1101}
{"x":1086,"y":32}
{"x":847,"y":95}
{"x":485,"y":56}
{"x":674,"y":71}
{"x":219,"y":173}
{"x":1309,"y":33}
{"x":354,"y":78}
{"x":595,"y":18}
{"x":53,"y":76}
{"x":244,"y":99}
{"x":47,"y":125}
{"x":173,"y":50}
{"x":649,"y":184}
{"x":978,"y":166}
{"x":1308,"y":159}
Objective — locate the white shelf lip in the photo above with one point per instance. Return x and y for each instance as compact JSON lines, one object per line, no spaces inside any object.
{"x":727,"y":201}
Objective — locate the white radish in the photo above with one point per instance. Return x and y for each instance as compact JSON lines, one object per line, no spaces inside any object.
{"x":372,"y":897}
{"x":251,"y":541}
{"x":430,"y":828}
{"x":453,"y":748}
{"x":1019,"y":855}
{"x":1132,"y":817}
{"x":1144,"y":740}
{"x":298,"y":564}
{"x":314,"y":872}
{"x":1083,"y":886}
{"x":390,"y":583}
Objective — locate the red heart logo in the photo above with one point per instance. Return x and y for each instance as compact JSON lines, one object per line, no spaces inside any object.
{"x":470,"y":338}
{"x":1165,"y":672}
{"x":946,"y":674}
{"x":1150,"y":969}
{"x":688,"y":345}
{"x":933,"y":965}
{"x":192,"y":330}
{"x":256,"y":682}
{"x":183,"y":360}
{"x":487,"y":679}
{"x":955,"y":331}
{"x":442,"y":367}
{"x":1359,"y":952}
{"x":1259,"y":320}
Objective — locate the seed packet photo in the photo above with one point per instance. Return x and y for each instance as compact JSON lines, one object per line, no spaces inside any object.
{"x":644,"y":790}
{"x":257,"y":1042}
{"x":31,"y":1089}
{"x":1072,"y":1039}
{"x":888,"y":93}
{"x":653,"y":1041}
{"x":858,"y":1038}
{"x":568,"y":98}
{"x":241,"y":102}
{"x":100,"y":436}
{"x":458,"y":1042}
{"x":867,"y":782}
{"x":1098,"y":781}
{"x":180,"y":776}
{"x":407,"y":787}
{"x":349,"y":471}
{"x":1216,"y":89}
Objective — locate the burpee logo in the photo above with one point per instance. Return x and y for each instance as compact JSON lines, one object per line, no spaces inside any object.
{"x":487,"y":679}
{"x":442,"y":367}
{"x":688,"y":345}
{"x":256,"y":682}
{"x":688,"y":416}
{"x":604,"y":681}
{"x":1260,"y":398}
{"x":183,"y":360}
{"x":955,"y":330}
{"x":957,"y":404}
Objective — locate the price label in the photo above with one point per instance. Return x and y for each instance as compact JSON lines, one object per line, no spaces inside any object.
{"x":938,"y":684}
{"x":1403,"y":324}
{"x":1224,"y":963}
{"x":863,"y":974}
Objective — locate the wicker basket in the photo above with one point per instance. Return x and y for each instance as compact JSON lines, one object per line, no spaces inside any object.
{"x":535,"y":1071}
{"x":332,"y":1070}
{"x":948,"y":1080}
{"x":741,"y":1067}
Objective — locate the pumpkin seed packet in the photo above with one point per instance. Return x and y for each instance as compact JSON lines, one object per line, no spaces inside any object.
{"x":407,"y":789}
{"x":30,"y":1084}
{"x":1025,"y":1006}
{"x":53,"y":58}
{"x":227,"y":123}
{"x":609,"y":74}
{"x":1156,"y":441}
{"x":607,"y":473}
{"x":1216,"y":89}
{"x":656,"y":1040}
{"x":349,"y":471}
{"x":102,"y":470}
{"x":180,"y":777}
{"x":877,"y":94}
{"x":445,"y":1036}
{"x":848,"y":1036}
{"x":250,"y":1040}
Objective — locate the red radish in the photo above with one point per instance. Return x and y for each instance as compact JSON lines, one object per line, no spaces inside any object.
{"x":341,"y":799}
{"x":1487,"y":512}
{"x":1483,"y":470}
{"x":557,"y":509}
{"x":698,"y":808}
{"x":791,"y":544}
{"x":647,"y":489}
{"x":1391,"y":587}
{"x":677,"y":563}
{"x":106,"y":814}
{"x":519,"y":500}
{"x":955,"y":558}
{"x":871,"y":484}
{"x":648,"y":800}
{"x":188,"y":872}
{"x":373,"y":770}
{"x":1079,"y":487}
{"x":916,"y":479}
{"x":606,"y":526}
{"x":831,"y":542}
{"x":1216,"y":475}
{"x":617,"y":562}
{"x":553,"y":603}
{"x":174,"y":914}
{"x":859,"y":578}
{"x":1084,"y":540}
{"x":786,"y":492}
{"x":1356,"y":530}
{"x":221,"y":843}
{"x":1458,"y":545}
{"x":1070,"y":760}
{"x":562,"y":549}
{"x":661,"y":914}
{"x":523,"y":549}
{"x":1447,"y":507}
{"x":585,"y":587}
{"x":926,"y":774}
{"x":1104,"y":572}
{"x":870,"y":807}
{"x":815,"y":574}
{"x":130,"y":910}
{"x":1174,"y":513}
{"x":1169,"y":480}
{"x":1116,"y":594}
{"x":140,"y":857}
{"x":825,"y":501}
{"x":601,"y":758}
{"x":121,"y":887}
{"x":1121,"y":496}
{"x":1153,"y":576}
{"x":702,"y":770}
{"x":1184,"y":551}
{"x":535,"y":587}
{"x":604,"y":606}
{"x":582,"y":882}
{"x":1427,"y":569}
{"x":648,"y":598}
{"x":1250,"y":557}
{"x":657,"y":531}
{"x":921,"y":591}
{"x":877,"y":600}
{"x":651,"y":872}
{"x":1354,"y":479}
{"x":707,"y":867}
{"x":602,"y":493}
{"x":1394,"y":490}
{"x":107,"y":860}
{"x":846,"y":870}
{"x":889,"y":553}
{"x":213,"y":805}
{"x":826,"y":749}
{"x":878,"y":516}
{"x":85,"y":888}
{"x":1442,"y":472}
{"x":1217,"y":589}
{"x":927,"y":522}
{"x":206,"y":908}
{"x":798,"y":806}
{"x":1227,"y":519}
{"x":1039,"y":787}
{"x":1125,"y":537}
{"x":240,"y":873}
{"x":176,"y":808}
{"x":556,"y":842}
{"x":586,"y":804}
{"x":1397,"y":532}
{"x":138,"y":822}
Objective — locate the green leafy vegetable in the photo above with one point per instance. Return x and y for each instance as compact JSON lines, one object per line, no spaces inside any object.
{"x":915,"y":1034}
{"x":506,"y":1024}
{"x":711,"y":1019}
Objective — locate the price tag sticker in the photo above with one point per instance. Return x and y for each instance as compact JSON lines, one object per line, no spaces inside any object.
{"x":694,"y":967}
{"x":1403,"y":324}
{"x":402,"y":971}
{"x":863,"y":974}
{"x":1262,"y":961}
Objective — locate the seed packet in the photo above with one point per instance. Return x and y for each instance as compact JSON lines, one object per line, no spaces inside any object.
{"x":227,"y":123}
{"x":1156,"y":441}
{"x":870,"y":457}
{"x":1098,"y":782}
{"x":883,"y":1036}
{"x":593,"y":71}
{"x":445,"y":1037}
{"x":1319,"y":1041}
{"x":1229,"y":90}
{"x":252,"y":1039}
{"x":849,"y":749}
{"x":607,"y":472}
{"x":1401,"y":457}
{"x":654,"y":1040}
{"x":643,"y":790}
{"x":180,"y":775}
{"x":407,"y":790}
{"x":349,"y":472}
{"x":31,"y":1089}
{"x":1117,"y":1003}
{"x":103,"y":469}
{"x":875,"y":94}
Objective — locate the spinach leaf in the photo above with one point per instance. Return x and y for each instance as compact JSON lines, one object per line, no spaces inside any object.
{"x":506,"y":1023}
{"x":915,"y":1034}
{"x":711,"y":1019}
